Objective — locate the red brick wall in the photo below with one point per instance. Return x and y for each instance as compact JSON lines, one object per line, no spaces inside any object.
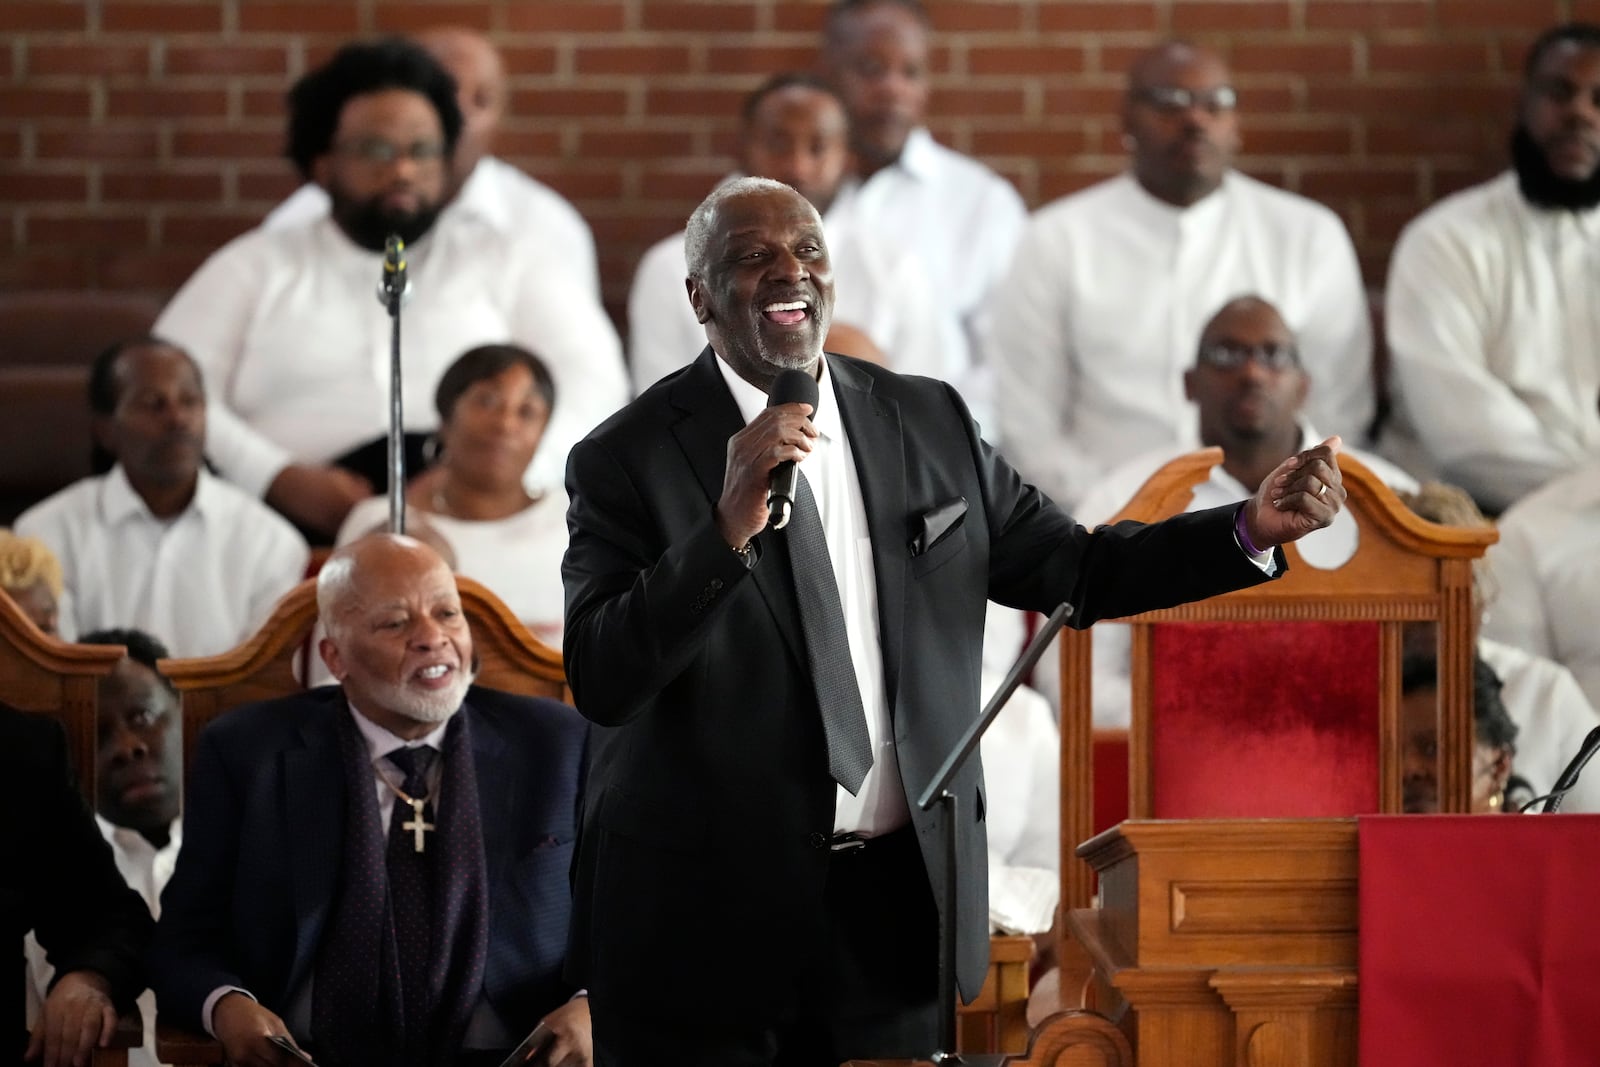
{"x":137,"y":135}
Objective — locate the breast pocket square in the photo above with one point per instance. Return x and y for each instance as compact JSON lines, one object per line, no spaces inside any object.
{"x":937,"y":524}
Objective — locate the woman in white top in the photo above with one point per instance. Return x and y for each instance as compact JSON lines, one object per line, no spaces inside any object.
{"x":494,"y":403}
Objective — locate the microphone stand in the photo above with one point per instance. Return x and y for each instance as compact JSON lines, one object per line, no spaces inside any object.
{"x":392,"y":291}
{"x":938,"y":792}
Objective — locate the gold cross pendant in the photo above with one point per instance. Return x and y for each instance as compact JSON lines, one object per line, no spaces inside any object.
{"x":417,"y":826}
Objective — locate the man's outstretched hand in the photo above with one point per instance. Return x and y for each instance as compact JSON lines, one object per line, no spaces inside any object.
{"x":1303,"y":493}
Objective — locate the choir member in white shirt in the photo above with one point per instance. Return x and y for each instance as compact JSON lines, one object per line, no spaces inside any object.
{"x":794,"y":130}
{"x":961,"y":218}
{"x":156,"y":541}
{"x":1491,"y":315}
{"x":138,"y":784}
{"x":494,"y":404}
{"x":1249,"y":391}
{"x":482,"y":184}
{"x":1091,"y":334}
{"x":1547,"y":573}
{"x":285,"y":322}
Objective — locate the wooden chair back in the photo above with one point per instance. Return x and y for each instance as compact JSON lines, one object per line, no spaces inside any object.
{"x":1403,"y":570}
{"x":41,"y":674}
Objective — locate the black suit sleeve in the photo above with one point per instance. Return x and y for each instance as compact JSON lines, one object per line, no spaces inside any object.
{"x":83,"y":914}
{"x":627,"y":599}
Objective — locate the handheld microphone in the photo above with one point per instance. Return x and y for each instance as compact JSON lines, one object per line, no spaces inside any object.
{"x":791,"y":387}
{"x":394,"y":285}
{"x":1569,"y":776}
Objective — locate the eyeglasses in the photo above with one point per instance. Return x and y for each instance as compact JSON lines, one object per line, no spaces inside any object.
{"x":1172,"y":98}
{"x":376,"y":150}
{"x":1226,"y":355}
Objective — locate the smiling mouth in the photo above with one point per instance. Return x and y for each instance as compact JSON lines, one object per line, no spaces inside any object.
{"x":787,"y":312}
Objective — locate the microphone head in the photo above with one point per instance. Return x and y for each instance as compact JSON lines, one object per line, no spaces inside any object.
{"x":394,"y":255}
{"x":793,"y":387}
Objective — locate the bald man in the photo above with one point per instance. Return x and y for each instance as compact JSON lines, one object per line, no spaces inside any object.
{"x":483,"y":185}
{"x":1110,"y":287}
{"x":378,"y":869}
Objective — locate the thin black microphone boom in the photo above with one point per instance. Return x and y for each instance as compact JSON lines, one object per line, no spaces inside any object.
{"x":790,"y":387}
{"x":393,"y":288}
{"x":1569,"y":776}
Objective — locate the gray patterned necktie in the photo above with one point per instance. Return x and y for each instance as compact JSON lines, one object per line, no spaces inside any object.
{"x":844,"y":720}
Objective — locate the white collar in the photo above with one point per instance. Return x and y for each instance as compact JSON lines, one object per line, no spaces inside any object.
{"x":752,"y":400}
{"x":381,"y":742}
{"x":132,"y":842}
{"x":119,"y":501}
{"x":919,"y":156}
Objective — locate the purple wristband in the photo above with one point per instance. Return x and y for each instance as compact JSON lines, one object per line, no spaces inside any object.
{"x":1243,"y":534}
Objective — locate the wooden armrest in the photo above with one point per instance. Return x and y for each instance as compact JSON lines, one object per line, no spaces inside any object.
{"x":175,"y":1045}
{"x":130,"y":1029}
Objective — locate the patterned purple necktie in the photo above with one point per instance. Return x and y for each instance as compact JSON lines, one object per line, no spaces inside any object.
{"x":410,"y":894}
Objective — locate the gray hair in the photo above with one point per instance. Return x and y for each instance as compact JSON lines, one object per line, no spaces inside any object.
{"x":697,"y":237}
{"x":335,"y":583}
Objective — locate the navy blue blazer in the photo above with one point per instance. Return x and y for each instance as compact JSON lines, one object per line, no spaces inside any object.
{"x":263,"y":827}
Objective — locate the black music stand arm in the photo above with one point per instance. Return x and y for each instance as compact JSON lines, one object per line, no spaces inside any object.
{"x":938,"y":792}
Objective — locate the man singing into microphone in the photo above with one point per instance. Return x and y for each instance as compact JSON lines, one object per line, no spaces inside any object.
{"x":786,"y":691}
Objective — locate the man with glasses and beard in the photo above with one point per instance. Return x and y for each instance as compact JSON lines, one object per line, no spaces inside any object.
{"x":284,"y":319}
{"x":378,"y":870}
{"x":1493,"y":320}
{"x":1091,"y":334}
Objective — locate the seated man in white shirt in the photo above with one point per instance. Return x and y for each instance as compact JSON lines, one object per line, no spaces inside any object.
{"x":1547,"y":571}
{"x":794,"y":130}
{"x":959,"y":217}
{"x":1491,"y":314}
{"x":1111,"y":285}
{"x":482,"y":184}
{"x":1249,"y":390}
{"x":285,"y":323}
{"x":155,"y":540}
{"x":138,"y":770}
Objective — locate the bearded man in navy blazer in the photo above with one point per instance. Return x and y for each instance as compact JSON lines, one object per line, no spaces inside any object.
{"x":746,"y":843}
{"x":380,"y":870}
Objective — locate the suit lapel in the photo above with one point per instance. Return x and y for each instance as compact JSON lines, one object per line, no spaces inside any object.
{"x":711,"y":418}
{"x":873,"y":426}
{"x":314,"y":799}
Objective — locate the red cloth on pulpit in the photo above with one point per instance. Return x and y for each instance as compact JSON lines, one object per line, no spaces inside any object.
{"x":1479,"y":940}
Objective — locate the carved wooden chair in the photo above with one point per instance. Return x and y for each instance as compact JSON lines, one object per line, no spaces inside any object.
{"x":1197,"y":707}
{"x":44,"y":676}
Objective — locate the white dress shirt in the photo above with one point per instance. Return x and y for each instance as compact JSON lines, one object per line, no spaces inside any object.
{"x":1327,"y":549}
{"x":880,"y":288}
{"x":880,"y":805}
{"x":518,"y":558}
{"x":1022,"y":780}
{"x":963,"y":221}
{"x":201,"y":582}
{"x":147,"y":870}
{"x":499,"y":194}
{"x":1494,"y":329}
{"x":1103,"y":310}
{"x":294,"y":344}
{"x":1546,"y":570}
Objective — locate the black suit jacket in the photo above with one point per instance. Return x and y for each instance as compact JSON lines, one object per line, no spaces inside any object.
{"x":62,"y":881}
{"x":263,"y":828}
{"x":710,"y":784}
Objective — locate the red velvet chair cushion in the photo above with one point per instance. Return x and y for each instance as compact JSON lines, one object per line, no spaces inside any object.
{"x":1264,"y":720}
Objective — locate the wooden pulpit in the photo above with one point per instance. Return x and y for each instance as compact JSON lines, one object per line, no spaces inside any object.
{"x":1227,"y":942}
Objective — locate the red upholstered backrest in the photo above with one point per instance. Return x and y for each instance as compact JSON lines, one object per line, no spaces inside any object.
{"x":1263,"y":720}
{"x":1110,"y":778}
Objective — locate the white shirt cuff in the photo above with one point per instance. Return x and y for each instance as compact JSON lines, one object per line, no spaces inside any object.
{"x":210,"y":1005}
